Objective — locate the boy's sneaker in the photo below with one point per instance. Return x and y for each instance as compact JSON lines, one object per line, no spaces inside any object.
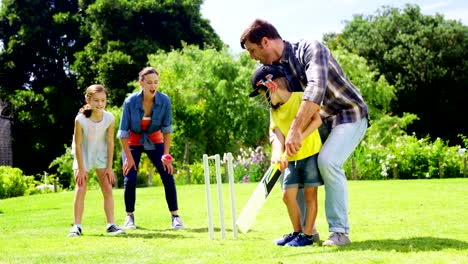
{"x":301,"y":240}
{"x":177,"y":222}
{"x":286,"y":239}
{"x":337,"y":239}
{"x":115,"y":230}
{"x":75,"y":231}
{"x":130,"y":222}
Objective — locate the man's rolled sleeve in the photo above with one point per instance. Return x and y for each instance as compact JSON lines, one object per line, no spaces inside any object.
{"x":315,"y":58}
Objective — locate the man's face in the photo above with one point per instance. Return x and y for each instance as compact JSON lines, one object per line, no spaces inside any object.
{"x":259,"y":52}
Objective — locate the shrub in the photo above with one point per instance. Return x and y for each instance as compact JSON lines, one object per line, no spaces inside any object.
{"x":13,"y":183}
{"x":196,"y":173}
{"x":388,"y":152}
{"x":64,"y":168}
{"x":251,"y":164}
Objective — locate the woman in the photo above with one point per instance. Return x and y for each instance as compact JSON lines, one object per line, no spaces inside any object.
{"x":145,"y":126}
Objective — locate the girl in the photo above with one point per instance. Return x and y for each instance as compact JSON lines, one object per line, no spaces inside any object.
{"x":146,"y":126}
{"x":93,"y":147}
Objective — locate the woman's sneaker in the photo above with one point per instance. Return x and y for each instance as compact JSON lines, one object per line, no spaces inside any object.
{"x":130,"y":222}
{"x":177,"y":222}
{"x":75,"y":231}
{"x":301,"y":240}
{"x":115,"y":230}
{"x":286,"y":239}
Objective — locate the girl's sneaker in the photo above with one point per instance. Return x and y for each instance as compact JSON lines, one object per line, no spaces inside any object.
{"x":75,"y":231}
{"x":115,"y":230}
{"x":301,"y":240}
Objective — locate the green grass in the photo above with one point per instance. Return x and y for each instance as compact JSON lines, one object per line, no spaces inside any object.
{"x":417,"y":221}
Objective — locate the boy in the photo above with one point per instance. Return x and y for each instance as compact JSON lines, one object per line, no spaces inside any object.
{"x":299,"y":170}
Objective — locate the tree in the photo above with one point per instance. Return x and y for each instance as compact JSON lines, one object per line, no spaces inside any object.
{"x":39,"y":39}
{"x":212,"y":110}
{"x":424,"y":57}
{"x":52,"y":50}
{"x":124,"y":32}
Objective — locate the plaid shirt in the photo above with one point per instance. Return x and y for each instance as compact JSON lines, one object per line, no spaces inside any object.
{"x":311,"y":66}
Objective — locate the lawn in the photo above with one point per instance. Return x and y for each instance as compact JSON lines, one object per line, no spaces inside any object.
{"x":417,"y":221}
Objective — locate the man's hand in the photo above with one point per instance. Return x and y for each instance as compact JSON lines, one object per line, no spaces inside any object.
{"x":304,"y":115}
{"x":293,"y":142}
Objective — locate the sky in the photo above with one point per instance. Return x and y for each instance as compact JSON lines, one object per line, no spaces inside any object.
{"x":309,"y":19}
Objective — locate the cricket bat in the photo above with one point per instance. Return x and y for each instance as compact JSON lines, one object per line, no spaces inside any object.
{"x":258,"y":198}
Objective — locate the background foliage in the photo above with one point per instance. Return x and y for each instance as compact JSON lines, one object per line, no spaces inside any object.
{"x":424,"y":57}
{"x":410,"y":68}
{"x":52,"y":50}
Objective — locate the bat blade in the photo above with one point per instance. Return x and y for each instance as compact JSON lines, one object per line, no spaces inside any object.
{"x":258,"y":198}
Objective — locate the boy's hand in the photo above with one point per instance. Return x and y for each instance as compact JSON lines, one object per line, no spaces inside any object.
{"x":281,"y":159}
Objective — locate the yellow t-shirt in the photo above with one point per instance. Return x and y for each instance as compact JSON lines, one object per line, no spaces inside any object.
{"x":283,"y":116}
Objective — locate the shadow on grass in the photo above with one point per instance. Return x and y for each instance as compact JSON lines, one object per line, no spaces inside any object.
{"x":150,"y":233}
{"x":414,"y":244}
{"x":188,"y":229}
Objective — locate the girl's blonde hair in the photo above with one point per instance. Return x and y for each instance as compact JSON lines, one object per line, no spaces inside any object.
{"x":90,"y":91}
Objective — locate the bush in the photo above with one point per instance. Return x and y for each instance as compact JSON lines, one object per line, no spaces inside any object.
{"x":387,"y":152}
{"x":196,"y":173}
{"x":64,"y":170}
{"x":13,"y":183}
{"x":251,"y":164}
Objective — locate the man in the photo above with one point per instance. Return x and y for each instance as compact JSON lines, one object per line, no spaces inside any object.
{"x":326,"y":89}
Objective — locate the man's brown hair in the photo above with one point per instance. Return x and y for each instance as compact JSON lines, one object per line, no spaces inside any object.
{"x":257,"y":31}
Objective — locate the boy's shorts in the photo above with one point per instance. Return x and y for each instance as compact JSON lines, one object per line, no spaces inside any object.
{"x":302,"y":173}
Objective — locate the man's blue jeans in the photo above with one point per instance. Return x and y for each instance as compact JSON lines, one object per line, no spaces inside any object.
{"x":340,"y":144}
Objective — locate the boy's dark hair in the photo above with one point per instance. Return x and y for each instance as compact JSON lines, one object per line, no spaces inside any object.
{"x":257,"y":31}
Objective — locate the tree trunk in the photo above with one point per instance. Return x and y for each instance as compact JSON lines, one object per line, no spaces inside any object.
{"x":186,"y":160}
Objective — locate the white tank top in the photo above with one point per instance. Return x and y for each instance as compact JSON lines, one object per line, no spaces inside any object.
{"x":94,"y":141}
